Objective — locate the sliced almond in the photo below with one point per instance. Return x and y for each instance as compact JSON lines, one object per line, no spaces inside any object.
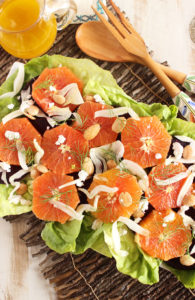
{"x":119,"y":124}
{"x":42,"y":169}
{"x":125,"y":199}
{"x":138,"y":213}
{"x":189,"y":200}
{"x":22,"y":189}
{"x":89,"y":98}
{"x":32,"y":110}
{"x":188,"y":152}
{"x":187,"y":260}
{"x":111,"y":164}
{"x":34,"y":173}
{"x":88,"y":166}
{"x":91,"y":132}
{"x":59,"y":99}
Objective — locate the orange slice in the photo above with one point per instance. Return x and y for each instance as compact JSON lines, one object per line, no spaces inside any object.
{"x":124,"y":202}
{"x":146,"y":141}
{"x":45,"y":188}
{"x":56,"y":78}
{"x":67,"y":156}
{"x":163,"y":197}
{"x":105,"y":135}
{"x":167,"y":240}
{"x":8,"y":150}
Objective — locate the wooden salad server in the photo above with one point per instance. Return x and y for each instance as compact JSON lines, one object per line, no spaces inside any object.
{"x":130,"y":40}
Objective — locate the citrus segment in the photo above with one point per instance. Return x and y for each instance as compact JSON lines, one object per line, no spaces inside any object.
{"x":87,"y":111}
{"x":146,"y":141}
{"x":121,"y":203}
{"x":45,"y":188}
{"x":25,"y":132}
{"x":166,"y":240}
{"x":163,"y":197}
{"x":43,"y":89}
{"x":64,"y":149}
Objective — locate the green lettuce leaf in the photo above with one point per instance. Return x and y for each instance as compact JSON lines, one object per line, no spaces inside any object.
{"x":187,"y":277}
{"x":181,"y":127}
{"x":7,"y":208}
{"x":136,"y":264}
{"x":61,"y":237}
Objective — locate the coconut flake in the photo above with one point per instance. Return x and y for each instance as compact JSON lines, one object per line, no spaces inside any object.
{"x":72,"y":94}
{"x":134,"y":226}
{"x":115,"y":112}
{"x":172,"y":180}
{"x":18,"y":81}
{"x":143,"y":205}
{"x":61,"y":139}
{"x":136,"y":170}
{"x":98,"y":189}
{"x":177,"y":150}
{"x":12,"y":135}
{"x":185,"y":188}
{"x":83,"y":175}
{"x":98,"y":154}
{"x":66,"y":209}
{"x":158,"y":156}
{"x":10,"y":106}
{"x":98,"y":99}
{"x":40,"y":152}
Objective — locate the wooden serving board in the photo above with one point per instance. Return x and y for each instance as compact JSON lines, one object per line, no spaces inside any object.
{"x":91,"y":275}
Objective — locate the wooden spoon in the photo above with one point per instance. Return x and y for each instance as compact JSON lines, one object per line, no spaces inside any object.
{"x":95,"y":40}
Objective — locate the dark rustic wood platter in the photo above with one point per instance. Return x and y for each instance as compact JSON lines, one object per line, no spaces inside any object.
{"x":91,"y":275}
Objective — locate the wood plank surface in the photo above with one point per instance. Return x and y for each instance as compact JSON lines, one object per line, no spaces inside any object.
{"x":164,"y":24}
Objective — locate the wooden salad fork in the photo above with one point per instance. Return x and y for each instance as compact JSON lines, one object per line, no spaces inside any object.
{"x":133,"y":43}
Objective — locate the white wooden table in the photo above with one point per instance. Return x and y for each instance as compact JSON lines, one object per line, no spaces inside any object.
{"x":164,"y":25}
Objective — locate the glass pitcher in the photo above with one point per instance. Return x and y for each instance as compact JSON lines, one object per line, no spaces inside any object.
{"x":28,"y":27}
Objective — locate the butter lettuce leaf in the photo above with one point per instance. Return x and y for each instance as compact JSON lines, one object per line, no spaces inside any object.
{"x":187,"y":277}
{"x":61,"y":237}
{"x":181,"y":127}
{"x":7,"y":208}
{"x":136,"y":263}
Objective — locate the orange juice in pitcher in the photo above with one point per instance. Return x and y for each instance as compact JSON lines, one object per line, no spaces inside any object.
{"x":26,"y":31}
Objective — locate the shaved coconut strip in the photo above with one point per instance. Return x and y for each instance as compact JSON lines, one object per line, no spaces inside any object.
{"x":72,"y":94}
{"x":69,"y":183}
{"x":12,"y":115}
{"x":173,"y":179}
{"x":18,"y":81}
{"x":185,"y":188}
{"x":40,"y":152}
{"x":78,"y":118}
{"x":136,"y":170}
{"x":116,"y":240}
{"x":3,"y":177}
{"x":87,"y":207}
{"x":98,"y":189}
{"x":185,"y":139}
{"x":97,"y":155}
{"x":171,"y":159}
{"x":22,"y":156}
{"x":134,"y":226}
{"x":115,"y":112}
{"x":66,"y":209}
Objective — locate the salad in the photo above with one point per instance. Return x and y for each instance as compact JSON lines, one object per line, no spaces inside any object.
{"x":102,"y":170}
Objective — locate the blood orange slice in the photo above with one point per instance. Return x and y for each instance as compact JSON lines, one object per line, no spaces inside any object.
{"x":50,"y":79}
{"x":162,"y":196}
{"x":105,"y":135}
{"x":25,"y":132}
{"x":46,"y":188}
{"x":123,"y":202}
{"x":146,"y":141}
{"x":64,"y":149}
{"x":168,"y":237}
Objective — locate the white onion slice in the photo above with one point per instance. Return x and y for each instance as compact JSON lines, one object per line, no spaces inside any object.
{"x":40,"y":152}
{"x":98,"y":189}
{"x":12,"y":115}
{"x":22,"y":156}
{"x":16,"y":184}
{"x":59,"y":114}
{"x":115,"y":112}
{"x":66,"y":209}
{"x":97,"y":155}
{"x":188,"y":221}
{"x":18,"y":81}
{"x":78,"y":118}
{"x":193,"y":250}
{"x":171,"y":180}
{"x":69,"y":183}
{"x":137,"y":170}
{"x":134,"y":226}
{"x":185,"y":188}
{"x":72,"y":94}
{"x":171,"y":159}
{"x":3,"y":177}
{"x":185,"y":139}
